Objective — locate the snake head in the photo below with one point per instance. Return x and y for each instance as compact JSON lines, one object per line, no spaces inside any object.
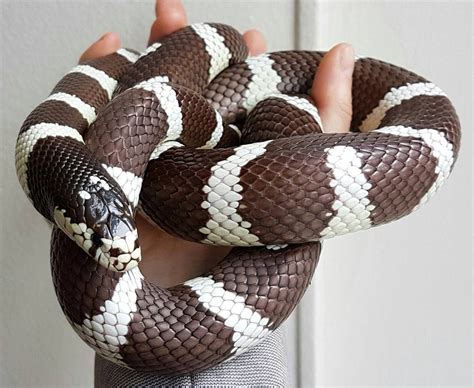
{"x":101,"y":222}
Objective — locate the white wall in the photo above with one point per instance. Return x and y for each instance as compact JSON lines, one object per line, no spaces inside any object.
{"x":390,"y":306}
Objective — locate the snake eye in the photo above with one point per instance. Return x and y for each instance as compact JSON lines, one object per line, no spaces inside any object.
{"x":97,"y":241}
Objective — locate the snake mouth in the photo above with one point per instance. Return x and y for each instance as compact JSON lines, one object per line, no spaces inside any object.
{"x":120,"y":254}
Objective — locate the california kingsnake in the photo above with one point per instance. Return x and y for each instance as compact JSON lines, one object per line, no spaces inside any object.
{"x":234,"y":155}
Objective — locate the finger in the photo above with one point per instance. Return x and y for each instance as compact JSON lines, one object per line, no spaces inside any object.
{"x":107,"y":44}
{"x":255,"y":42}
{"x":332,"y":88}
{"x":170,"y":16}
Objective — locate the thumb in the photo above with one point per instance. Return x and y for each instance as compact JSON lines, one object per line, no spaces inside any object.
{"x":332,"y":88}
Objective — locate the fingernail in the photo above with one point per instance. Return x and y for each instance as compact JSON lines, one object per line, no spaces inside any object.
{"x":346,"y":57}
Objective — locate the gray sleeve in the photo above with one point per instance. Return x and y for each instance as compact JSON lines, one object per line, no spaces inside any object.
{"x":262,"y":366}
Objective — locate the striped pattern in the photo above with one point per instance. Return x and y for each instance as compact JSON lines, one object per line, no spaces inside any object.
{"x":302,"y":104}
{"x":249,"y":326}
{"x":262,"y":196}
{"x":128,"y":55}
{"x":394,"y":98}
{"x":108,"y":83}
{"x":87,"y":111}
{"x":150,"y":49}
{"x":442,"y":150}
{"x":214,"y":44}
{"x":27,"y":141}
{"x":109,"y":329}
{"x":264,"y":81}
{"x":236,"y":129}
{"x":128,"y":181}
{"x":168,"y":102}
{"x":352,"y":206}
{"x":226,"y":226}
{"x":216,"y":134}
{"x":165,"y":146}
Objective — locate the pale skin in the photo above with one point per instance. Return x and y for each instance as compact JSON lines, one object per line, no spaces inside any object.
{"x":169,"y":260}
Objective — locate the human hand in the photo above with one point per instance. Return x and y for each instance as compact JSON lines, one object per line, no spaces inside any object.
{"x":169,"y":260}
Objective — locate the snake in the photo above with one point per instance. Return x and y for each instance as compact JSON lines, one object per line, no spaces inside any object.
{"x":222,"y":148}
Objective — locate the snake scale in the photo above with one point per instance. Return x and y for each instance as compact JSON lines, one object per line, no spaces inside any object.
{"x":220,"y":148}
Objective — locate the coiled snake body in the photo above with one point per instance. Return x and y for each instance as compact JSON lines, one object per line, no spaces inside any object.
{"x":220,"y":149}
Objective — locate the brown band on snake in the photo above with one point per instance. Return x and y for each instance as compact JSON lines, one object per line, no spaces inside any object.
{"x":181,"y":62}
{"x":169,"y":187}
{"x":188,"y":336}
{"x":372,"y":79}
{"x":397,"y":180}
{"x":195,"y":126}
{"x":84,"y":87}
{"x":57,"y":112}
{"x":420,"y":112}
{"x":232,"y":40}
{"x":79,"y":283}
{"x":275,"y":118}
{"x":308,"y":194}
{"x":114,"y":65}
{"x":140,"y":127}
{"x":199,"y":119}
{"x":234,"y":84}
{"x":296,"y":69}
{"x":231,"y":136}
{"x":166,"y":60}
{"x":270,"y":283}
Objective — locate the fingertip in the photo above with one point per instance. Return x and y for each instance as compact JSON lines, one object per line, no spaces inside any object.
{"x":171,"y":16}
{"x":332,"y":88}
{"x":341,"y":46}
{"x":255,"y":42}
{"x":346,"y":55}
{"x":163,"y":6}
{"x":168,"y":21}
{"x":111,"y":39}
{"x":106,"y":44}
